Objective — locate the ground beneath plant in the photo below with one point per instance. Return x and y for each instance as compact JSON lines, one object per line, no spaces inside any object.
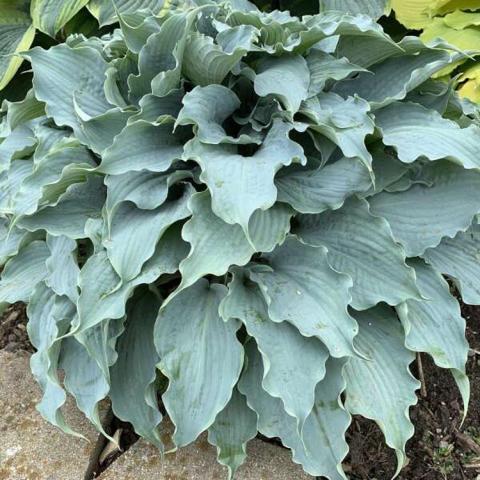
{"x":441,"y":447}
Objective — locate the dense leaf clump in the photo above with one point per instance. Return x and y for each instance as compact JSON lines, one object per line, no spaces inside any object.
{"x":246,"y":216}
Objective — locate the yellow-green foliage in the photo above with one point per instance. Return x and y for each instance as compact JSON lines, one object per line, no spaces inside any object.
{"x":457,"y":22}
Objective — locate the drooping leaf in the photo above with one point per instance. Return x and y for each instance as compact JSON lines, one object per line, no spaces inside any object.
{"x":190,"y":336}
{"x":373,"y":8}
{"x":381,"y":386}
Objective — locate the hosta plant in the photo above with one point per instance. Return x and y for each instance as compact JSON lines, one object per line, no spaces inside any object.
{"x":244,"y":219}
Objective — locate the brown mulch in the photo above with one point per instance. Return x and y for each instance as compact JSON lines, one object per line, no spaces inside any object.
{"x":441,"y":448}
{"x":13,"y":329}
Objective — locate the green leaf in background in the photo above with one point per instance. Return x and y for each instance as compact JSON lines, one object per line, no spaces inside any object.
{"x":16,"y":35}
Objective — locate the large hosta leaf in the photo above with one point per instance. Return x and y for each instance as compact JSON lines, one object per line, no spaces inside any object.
{"x":362,"y":246}
{"x":381,"y":386}
{"x":293,"y":364}
{"x":231,"y":176}
{"x":322,"y":447}
{"x":344,"y":122}
{"x":300,"y":287}
{"x":50,"y":16}
{"x":317,"y":190}
{"x":22,"y":272}
{"x":190,"y":337}
{"x":451,"y":202}
{"x":133,"y":392}
{"x":436,"y":326}
{"x":459,"y":258}
{"x":415,"y":132}
{"x":16,"y":35}
{"x":106,"y":10}
{"x":234,"y":426}
{"x":62,"y":74}
{"x":373,"y":8}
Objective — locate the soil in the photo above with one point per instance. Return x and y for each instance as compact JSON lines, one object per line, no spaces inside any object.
{"x":441,"y":448}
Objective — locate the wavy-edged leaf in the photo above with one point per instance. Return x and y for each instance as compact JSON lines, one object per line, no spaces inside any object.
{"x":133,"y":392}
{"x":205,"y":231}
{"x":393,"y":78}
{"x":322,"y":447}
{"x":436,"y":325}
{"x":234,"y":426}
{"x":372,"y":8}
{"x":231,"y":176}
{"x":293,"y":364}
{"x":190,"y":337}
{"x":103,"y":296}
{"x":415,"y":132}
{"x":49,"y":317}
{"x":416,"y":13}
{"x":206,"y":62}
{"x":50,"y":16}
{"x":23,"y":272}
{"x":143,"y":146}
{"x":300,"y":287}
{"x":134,"y":233}
{"x":451,"y":203}
{"x":16,"y":35}
{"x":459,"y":258}
{"x":344,"y":122}
{"x":362,"y":246}
{"x":105,"y":10}
{"x":207,"y":108}
{"x":381,"y":387}
{"x":62,"y":267}
{"x":63,"y":72}
{"x":324,"y":188}
{"x":286,"y":77}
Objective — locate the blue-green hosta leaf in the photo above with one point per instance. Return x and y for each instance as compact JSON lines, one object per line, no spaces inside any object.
{"x":286,"y":77}
{"x":50,"y":16}
{"x":12,"y":239}
{"x":344,"y":122}
{"x":143,"y":146}
{"x":153,"y":107}
{"x":102,"y":298}
{"x":206,"y":62}
{"x":16,"y":35}
{"x":231,"y":176}
{"x":105,"y":10}
{"x":62,"y":72}
{"x":362,"y":246}
{"x":134,"y":233}
{"x":300,"y":287}
{"x":80,"y":202}
{"x":234,"y":426}
{"x":322,"y":447}
{"x":21,"y":112}
{"x":205,"y":231}
{"x":207,"y":108}
{"x":147,"y":190}
{"x":49,"y":317}
{"x":372,"y":8}
{"x":18,"y":144}
{"x":10,"y":183}
{"x":133,"y":393}
{"x":324,"y":67}
{"x":415,"y":131}
{"x":84,"y":380}
{"x":190,"y":337}
{"x":293,"y":364}
{"x":381,"y":387}
{"x":160,"y":59}
{"x":22,"y":272}
{"x":393,"y":78}
{"x":62,"y":267}
{"x":459,"y":258}
{"x":48,"y":171}
{"x":314,"y":191}
{"x":451,"y":203}
{"x":136,"y":27}
{"x":436,"y":325}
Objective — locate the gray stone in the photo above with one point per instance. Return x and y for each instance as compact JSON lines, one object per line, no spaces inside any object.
{"x":198,"y":462}
{"x":30,"y":448}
